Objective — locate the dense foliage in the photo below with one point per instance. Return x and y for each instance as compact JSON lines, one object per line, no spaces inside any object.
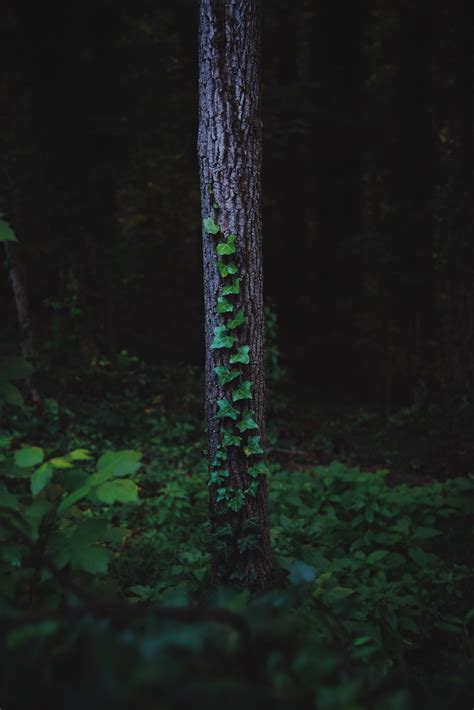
{"x":105,"y":598}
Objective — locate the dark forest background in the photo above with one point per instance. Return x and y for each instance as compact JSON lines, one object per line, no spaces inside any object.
{"x":368,"y":187}
{"x":106,"y":593}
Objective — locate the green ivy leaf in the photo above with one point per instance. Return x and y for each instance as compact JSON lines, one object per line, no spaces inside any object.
{"x":226,"y":409}
{"x":217,"y":476}
{"x":41,"y":477}
{"x":243,"y":392}
{"x":225,"y":374}
{"x":226,"y":269}
{"x":221,"y":340}
{"x":253,"y":446}
{"x":258,"y":469}
{"x":223,"y":305}
{"x":252,"y":489}
{"x":230,"y":439}
{"x":247,"y":422}
{"x":236,"y":500}
{"x":210,"y":226}
{"x":227,"y":247}
{"x":222,"y":494}
{"x":237,"y":321}
{"x":29,"y":456}
{"x":219,"y":457}
{"x":117,"y":491}
{"x":6,"y":232}
{"x":242,"y":355}
{"x":233,"y":289}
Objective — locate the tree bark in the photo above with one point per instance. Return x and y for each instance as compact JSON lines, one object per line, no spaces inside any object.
{"x":230,"y":154}
{"x":20,"y":293}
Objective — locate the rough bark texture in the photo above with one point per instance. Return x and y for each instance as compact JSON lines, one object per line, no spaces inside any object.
{"x":230,"y":153}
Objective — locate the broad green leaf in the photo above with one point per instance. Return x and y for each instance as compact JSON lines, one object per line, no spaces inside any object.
{"x":259,"y":469}
{"x":41,"y":477}
{"x":73,"y":498}
{"x":223,"y":305}
{"x":5,"y":441}
{"x":253,"y":446}
{"x":221,"y":339}
{"x":225,"y":374}
{"x":376,"y":556}
{"x":247,"y":422}
{"x":79,"y":455}
{"x":226,"y":269}
{"x":210,"y":226}
{"x":7,"y":499}
{"x":337,"y":594}
{"x":242,"y":355}
{"x":89,"y":531}
{"x":11,"y":394}
{"x":119,"y":491}
{"x":230,"y":439}
{"x":94,"y":559}
{"x":60,"y":462}
{"x":96,"y":479}
{"x":35,"y":513}
{"x":119,"y":463}
{"x":29,"y":456}
{"x":242,"y":392}
{"x":6,"y":232}
{"x":226,"y":409}
{"x":227,"y":247}
{"x":422,"y":533}
{"x":237,"y":321}
{"x":232,"y":289}
{"x":15,"y":368}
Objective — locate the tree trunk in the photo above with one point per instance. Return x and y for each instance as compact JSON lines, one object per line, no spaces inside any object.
{"x":230,"y":149}
{"x":20,"y":293}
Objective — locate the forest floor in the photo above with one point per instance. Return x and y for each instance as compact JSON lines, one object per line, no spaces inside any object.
{"x":372,"y":606}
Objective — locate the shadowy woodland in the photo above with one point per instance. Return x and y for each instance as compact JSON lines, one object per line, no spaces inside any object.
{"x":106,"y":598}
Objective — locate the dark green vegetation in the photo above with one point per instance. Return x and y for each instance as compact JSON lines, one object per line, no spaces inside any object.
{"x":106,"y":598}
{"x":107,"y":604}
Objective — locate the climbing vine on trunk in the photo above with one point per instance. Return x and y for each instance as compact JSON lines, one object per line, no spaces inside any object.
{"x":229,"y":148}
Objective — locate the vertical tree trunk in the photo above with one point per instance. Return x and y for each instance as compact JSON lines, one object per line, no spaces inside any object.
{"x":230,"y":149}
{"x":20,"y":293}
{"x":17,"y":280}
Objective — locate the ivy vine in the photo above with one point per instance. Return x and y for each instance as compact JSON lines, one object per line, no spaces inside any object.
{"x":237,"y":425}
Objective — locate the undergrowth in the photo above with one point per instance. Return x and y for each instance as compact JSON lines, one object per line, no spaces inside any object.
{"x":105,"y":598}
